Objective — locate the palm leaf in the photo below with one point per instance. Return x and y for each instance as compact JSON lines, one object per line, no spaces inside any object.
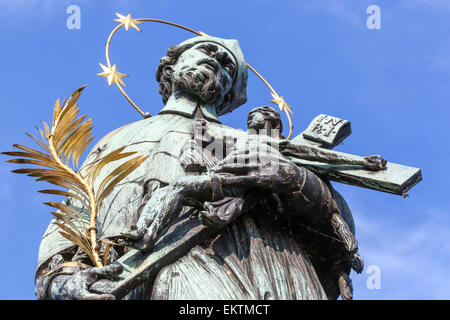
{"x":83,"y":136}
{"x":63,"y":140}
{"x":106,"y":254}
{"x":79,"y":151}
{"x":31,"y":161}
{"x":133,"y":164}
{"x":46,"y":129}
{"x":43,"y":146}
{"x":66,"y":140}
{"x":73,"y":125}
{"x":64,"y":124}
{"x":72,"y":183}
{"x":115,"y":173}
{"x":69,"y":222}
{"x":56,"y":111}
{"x":32,"y":151}
{"x":67,"y":194}
{"x":114,"y":155}
{"x":72,"y":236}
{"x":59,"y":181}
{"x":36,"y":156}
{"x":74,"y":214}
{"x":78,"y":135}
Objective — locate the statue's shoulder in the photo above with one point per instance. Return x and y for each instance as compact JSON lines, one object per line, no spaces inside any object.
{"x":149,"y":127}
{"x":141,"y":135}
{"x":150,"y":137}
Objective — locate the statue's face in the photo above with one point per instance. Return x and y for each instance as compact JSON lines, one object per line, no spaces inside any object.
{"x":261,"y":119}
{"x":264,"y":120}
{"x":256,"y":120}
{"x":206,"y":71}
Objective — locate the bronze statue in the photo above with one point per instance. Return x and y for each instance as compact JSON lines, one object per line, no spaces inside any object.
{"x":215,"y":212}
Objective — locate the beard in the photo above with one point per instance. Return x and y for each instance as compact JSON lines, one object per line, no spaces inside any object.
{"x":201,"y":83}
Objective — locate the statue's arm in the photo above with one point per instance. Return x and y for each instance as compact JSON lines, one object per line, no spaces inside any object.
{"x":164,"y":206}
{"x":300,"y":189}
{"x":301,"y":192}
{"x":313,"y":153}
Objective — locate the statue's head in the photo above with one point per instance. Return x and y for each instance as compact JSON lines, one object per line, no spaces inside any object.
{"x":264,"y":117}
{"x":211,"y":69}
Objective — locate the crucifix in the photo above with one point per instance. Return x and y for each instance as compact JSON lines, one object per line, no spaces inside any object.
{"x":326,"y":132}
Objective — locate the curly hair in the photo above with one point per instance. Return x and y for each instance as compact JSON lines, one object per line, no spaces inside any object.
{"x":164,"y":73}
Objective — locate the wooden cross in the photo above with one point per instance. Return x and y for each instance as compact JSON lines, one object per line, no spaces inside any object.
{"x":326,"y":132}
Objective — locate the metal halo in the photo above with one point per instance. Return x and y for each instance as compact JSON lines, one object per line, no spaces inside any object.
{"x":277,"y":99}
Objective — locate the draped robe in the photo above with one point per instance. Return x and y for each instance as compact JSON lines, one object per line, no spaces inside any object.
{"x":251,"y":258}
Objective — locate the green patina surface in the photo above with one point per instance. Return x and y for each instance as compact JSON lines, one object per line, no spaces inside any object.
{"x":250,"y":258}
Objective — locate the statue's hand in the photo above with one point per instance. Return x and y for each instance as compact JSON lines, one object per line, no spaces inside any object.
{"x":375,"y":163}
{"x":261,"y":165}
{"x":77,"y":286}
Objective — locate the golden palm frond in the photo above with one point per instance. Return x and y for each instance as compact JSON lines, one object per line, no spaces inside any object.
{"x":64,"y":142}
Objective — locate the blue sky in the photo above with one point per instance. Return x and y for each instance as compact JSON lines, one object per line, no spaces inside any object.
{"x":393,"y":84}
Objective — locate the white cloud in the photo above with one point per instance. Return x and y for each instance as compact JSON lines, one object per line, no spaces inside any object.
{"x":345,"y":10}
{"x":431,"y":4}
{"x":16,"y":7}
{"x":22,"y":9}
{"x":413,"y":257}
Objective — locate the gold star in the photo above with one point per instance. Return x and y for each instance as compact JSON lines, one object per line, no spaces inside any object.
{"x":112,"y":74}
{"x":280,"y":102}
{"x":128,"y":21}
